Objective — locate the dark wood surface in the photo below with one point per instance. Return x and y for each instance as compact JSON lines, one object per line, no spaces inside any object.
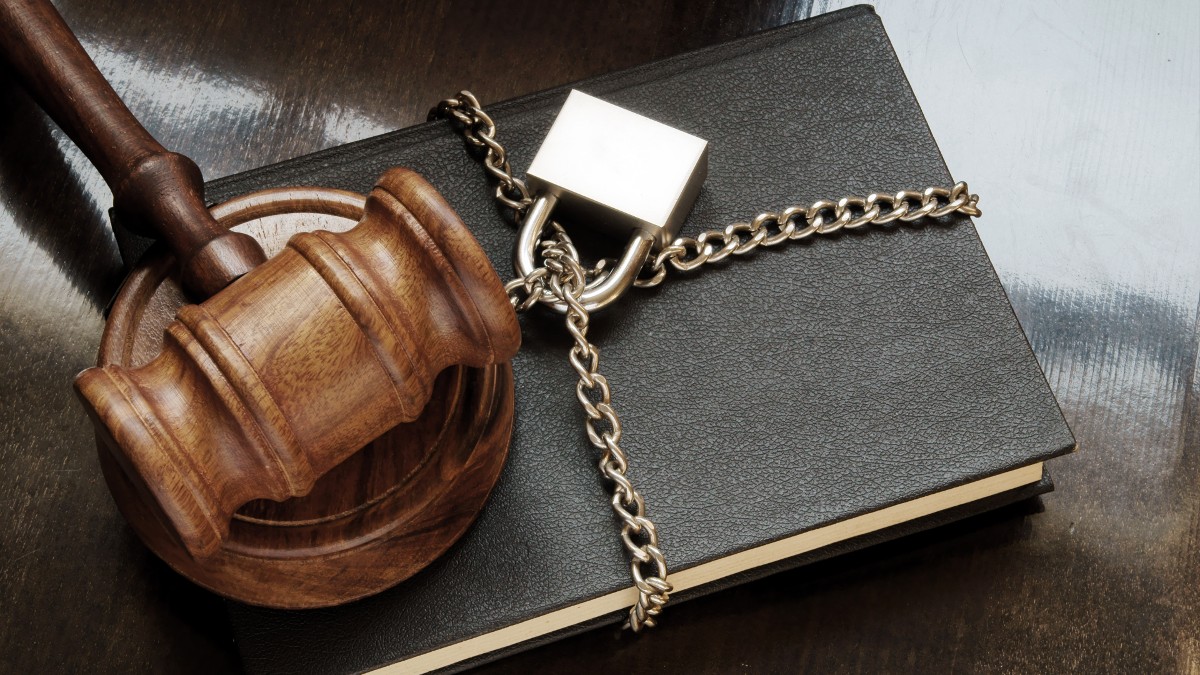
{"x":1076,"y":122}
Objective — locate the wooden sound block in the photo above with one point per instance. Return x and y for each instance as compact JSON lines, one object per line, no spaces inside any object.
{"x":370,"y":522}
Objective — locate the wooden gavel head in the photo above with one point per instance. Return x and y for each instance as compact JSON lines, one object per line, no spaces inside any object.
{"x":272,"y":382}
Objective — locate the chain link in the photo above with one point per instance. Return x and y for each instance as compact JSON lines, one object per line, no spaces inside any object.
{"x":563,"y":278}
{"x":824,"y":216}
{"x":479,"y":130}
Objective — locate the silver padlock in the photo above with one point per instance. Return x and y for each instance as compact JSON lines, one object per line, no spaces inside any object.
{"x":606,"y":167}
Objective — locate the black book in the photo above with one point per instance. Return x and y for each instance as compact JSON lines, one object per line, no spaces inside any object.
{"x":784,"y":407}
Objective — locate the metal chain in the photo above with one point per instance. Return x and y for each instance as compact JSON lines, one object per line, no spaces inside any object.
{"x":480,"y":131}
{"x":824,"y":216}
{"x":563,"y":278}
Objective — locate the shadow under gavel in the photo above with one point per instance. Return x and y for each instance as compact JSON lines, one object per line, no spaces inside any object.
{"x":290,"y":365}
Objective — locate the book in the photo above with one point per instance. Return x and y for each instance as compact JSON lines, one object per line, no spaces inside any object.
{"x":777,"y":409}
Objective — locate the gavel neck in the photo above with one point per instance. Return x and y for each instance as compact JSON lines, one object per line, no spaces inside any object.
{"x":219,"y":262}
{"x":160,"y":195}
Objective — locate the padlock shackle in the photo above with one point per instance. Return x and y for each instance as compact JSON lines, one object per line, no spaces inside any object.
{"x":598,"y":295}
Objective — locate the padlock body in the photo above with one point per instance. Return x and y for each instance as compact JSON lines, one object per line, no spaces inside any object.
{"x":619,"y":171}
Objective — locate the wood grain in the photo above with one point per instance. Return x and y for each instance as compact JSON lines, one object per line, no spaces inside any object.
{"x":270,"y":385}
{"x":1075,"y":121}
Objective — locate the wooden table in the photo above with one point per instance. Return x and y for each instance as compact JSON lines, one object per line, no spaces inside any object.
{"x":1079,"y":123}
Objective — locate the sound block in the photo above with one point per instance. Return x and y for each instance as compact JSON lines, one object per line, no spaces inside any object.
{"x":370,"y":522}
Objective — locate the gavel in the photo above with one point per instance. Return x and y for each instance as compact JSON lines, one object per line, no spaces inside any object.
{"x":291,"y":364}
{"x":270,"y":383}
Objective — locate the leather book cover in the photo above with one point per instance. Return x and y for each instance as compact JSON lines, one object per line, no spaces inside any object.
{"x":771,"y":398}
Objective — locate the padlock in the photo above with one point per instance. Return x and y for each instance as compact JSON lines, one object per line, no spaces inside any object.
{"x":603,"y":166}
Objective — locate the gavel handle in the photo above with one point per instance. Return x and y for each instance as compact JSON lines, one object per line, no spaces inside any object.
{"x":155,"y":192}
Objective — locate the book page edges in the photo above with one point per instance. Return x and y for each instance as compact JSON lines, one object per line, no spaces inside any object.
{"x":708,"y":572}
